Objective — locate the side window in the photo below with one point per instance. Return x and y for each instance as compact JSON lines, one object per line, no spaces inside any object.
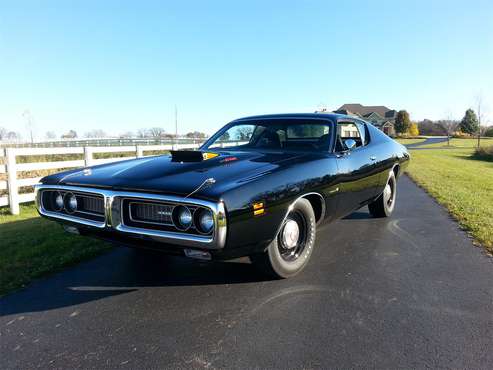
{"x":236,"y":135}
{"x":347,"y":130}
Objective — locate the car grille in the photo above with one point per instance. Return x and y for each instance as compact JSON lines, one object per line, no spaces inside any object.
{"x":89,"y":206}
{"x":151,"y":213}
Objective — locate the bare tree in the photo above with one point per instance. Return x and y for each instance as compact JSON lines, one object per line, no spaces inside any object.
{"x":449,"y":125}
{"x":244,"y":133}
{"x":3,"y":133}
{"x":479,"y":103}
{"x":96,"y":134}
{"x":168,"y":136}
{"x":50,"y":135}
{"x":13,"y":136}
{"x":126,"y":135}
{"x":142,"y":133}
{"x":70,"y":135}
{"x":196,"y":135}
{"x":486,"y":128}
{"x":322,"y":108}
{"x":29,"y":123}
{"x":157,"y":132}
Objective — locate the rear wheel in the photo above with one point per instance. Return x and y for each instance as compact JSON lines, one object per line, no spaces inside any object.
{"x":290,"y":251}
{"x":384,"y":205}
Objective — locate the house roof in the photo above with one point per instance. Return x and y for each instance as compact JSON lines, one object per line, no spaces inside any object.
{"x":364,"y":110}
{"x":346,"y":112}
{"x":369,"y":115}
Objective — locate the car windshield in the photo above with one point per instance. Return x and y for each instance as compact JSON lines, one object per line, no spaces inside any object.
{"x":289,"y":134}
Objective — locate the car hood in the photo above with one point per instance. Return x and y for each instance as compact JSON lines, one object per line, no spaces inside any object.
{"x":162,"y":174}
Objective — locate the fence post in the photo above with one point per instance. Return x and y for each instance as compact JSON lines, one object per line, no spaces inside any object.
{"x":12,"y":181}
{"x":88,"y":159}
{"x":139,"y":151}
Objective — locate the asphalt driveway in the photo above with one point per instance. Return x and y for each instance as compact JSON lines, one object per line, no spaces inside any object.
{"x":406,"y":292}
{"x":428,"y":141}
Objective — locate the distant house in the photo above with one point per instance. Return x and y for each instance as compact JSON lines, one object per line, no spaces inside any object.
{"x":381,"y":116}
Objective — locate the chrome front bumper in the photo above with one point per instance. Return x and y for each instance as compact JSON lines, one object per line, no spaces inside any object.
{"x":113,"y":220}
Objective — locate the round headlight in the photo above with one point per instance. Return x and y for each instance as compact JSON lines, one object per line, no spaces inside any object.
{"x":204,"y":221}
{"x":58,"y":202}
{"x":70,"y":202}
{"x":182,"y":217}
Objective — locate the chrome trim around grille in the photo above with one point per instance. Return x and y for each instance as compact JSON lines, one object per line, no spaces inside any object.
{"x":113,"y":219}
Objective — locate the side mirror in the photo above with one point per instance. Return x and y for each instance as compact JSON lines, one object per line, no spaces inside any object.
{"x":349,"y":144}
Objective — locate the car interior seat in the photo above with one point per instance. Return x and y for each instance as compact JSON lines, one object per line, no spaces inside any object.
{"x":324,"y":142}
{"x":269,"y":139}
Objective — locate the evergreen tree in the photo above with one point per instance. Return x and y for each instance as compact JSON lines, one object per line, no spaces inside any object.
{"x":402,"y":122}
{"x":469,"y":123}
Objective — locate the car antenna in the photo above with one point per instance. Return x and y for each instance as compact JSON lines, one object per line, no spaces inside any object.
{"x":207,"y":182}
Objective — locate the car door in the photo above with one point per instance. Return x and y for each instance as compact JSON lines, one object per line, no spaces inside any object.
{"x":359,"y":177}
{"x":377,"y":157}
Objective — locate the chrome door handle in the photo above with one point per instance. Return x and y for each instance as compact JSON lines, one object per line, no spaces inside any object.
{"x":373,"y":158}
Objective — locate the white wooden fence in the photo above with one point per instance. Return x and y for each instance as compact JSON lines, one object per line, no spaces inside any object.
{"x":11,"y":167}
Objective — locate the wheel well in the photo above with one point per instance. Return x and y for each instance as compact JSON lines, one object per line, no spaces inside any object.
{"x":316,"y":201}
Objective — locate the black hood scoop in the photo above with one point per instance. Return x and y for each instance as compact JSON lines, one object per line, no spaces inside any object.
{"x":191,"y":155}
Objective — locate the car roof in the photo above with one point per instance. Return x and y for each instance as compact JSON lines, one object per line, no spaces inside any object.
{"x":328,"y":116}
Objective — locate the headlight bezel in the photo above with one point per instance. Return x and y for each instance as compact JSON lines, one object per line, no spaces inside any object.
{"x":178,"y":213}
{"x":199,"y":215}
{"x":70,"y":203}
{"x":58,"y":202}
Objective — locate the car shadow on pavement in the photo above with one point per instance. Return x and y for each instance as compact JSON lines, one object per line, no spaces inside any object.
{"x":358,"y":215}
{"x":123,"y":271}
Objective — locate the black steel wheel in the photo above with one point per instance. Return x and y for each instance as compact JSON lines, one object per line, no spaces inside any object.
{"x":384,"y":205}
{"x":290,"y":251}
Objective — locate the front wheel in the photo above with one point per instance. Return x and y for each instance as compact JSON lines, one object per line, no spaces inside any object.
{"x":290,"y":251}
{"x":384,"y":205}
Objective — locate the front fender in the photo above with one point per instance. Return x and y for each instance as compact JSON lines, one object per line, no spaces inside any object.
{"x":277,"y":191}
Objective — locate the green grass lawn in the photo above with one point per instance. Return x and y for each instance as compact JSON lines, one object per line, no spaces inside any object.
{"x":461,"y":143}
{"x":31,"y":247}
{"x":462,"y":184}
{"x":404,"y":141}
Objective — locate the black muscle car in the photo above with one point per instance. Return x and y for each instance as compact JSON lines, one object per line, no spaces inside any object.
{"x":258,"y":187}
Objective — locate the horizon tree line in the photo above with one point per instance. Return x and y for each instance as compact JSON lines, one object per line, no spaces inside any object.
{"x":469,"y":125}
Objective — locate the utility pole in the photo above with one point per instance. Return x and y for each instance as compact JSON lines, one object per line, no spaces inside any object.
{"x":29,"y":123}
{"x":176,"y":124}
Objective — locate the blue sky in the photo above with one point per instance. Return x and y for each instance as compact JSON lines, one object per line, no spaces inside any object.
{"x":122,"y":66}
